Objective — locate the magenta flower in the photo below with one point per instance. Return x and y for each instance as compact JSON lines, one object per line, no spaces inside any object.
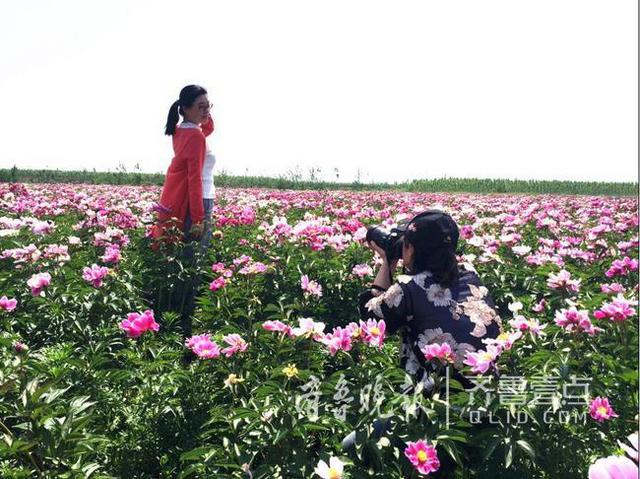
{"x":95,"y":274}
{"x":203,"y":347}
{"x":355,"y":330}
{"x":8,"y":304}
{"x":539,"y":306}
{"x":438,"y":351}
{"x":217,"y":267}
{"x":217,"y":283}
{"x":466,"y":232}
{"x":19,"y":347}
{"x":621,"y":267}
{"x":600,"y":410}
{"x":278,"y":326}
{"x":481,"y":361}
{"x":310,"y":287}
{"x":423,"y":456}
{"x":38,"y":282}
{"x":618,"y":310}
{"x":576,"y":321}
{"x":373,"y":332}
{"x":612,"y":288}
{"x":136,"y":324}
{"x":563,"y":280}
{"x":160,"y":208}
{"x":236,"y":345}
{"x":111,"y":254}
{"x":339,"y":339}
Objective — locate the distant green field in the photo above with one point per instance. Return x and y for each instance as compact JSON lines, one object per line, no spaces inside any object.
{"x":471,"y":185}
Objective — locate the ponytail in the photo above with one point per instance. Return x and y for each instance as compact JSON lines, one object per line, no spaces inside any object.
{"x":172,"y":118}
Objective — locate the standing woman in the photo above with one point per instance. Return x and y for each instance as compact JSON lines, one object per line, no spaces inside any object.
{"x":187,"y":196}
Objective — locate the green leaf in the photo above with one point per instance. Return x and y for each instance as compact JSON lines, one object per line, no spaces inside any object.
{"x":526,"y":447}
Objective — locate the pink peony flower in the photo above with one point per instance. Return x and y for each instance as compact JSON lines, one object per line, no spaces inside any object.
{"x":505,"y":340}
{"x":613,"y":467}
{"x":612,"y":288}
{"x":203,"y":347}
{"x":539,"y":306}
{"x":438,"y":351}
{"x":618,"y":310}
{"x":621,"y":267}
{"x":373,"y":332}
{"x":217,"y":267}
{"x":95,"y":274}
{"x":278,"y":326}
{"x":362,"y":270}
{"x":563,"y":280}
{"x":339,"y":339}
{"x":137,"y":323}
{"x":38,"y":282}
{"x":42,"y":227}
{"x":217,"y":283}
{"x":481,"y":361}
{"x":310,"y":287}
{"x":466,"y":232}
{"x":423,"y":456}
{"x":354,"y":330}
{"x":576,"y":321}
{"x":242,"y":260}
{"x":236,"y":345}
{"x":253,"y":268}
{"x":600,"y":410}
{"x":8,"y":304}
{"x":19,"y":347}
{"x":111,"y":254}
{"x":521,"y":323}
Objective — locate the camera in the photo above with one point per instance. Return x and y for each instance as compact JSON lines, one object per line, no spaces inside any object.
{"x":389,"y":240}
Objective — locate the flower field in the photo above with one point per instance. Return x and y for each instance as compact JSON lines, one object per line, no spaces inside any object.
{"x":108,"y":371}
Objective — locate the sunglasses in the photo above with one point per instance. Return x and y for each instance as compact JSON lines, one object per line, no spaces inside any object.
{"x":206,"y":107}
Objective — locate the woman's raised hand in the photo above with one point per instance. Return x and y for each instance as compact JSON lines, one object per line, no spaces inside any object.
{"x":375,"y":247}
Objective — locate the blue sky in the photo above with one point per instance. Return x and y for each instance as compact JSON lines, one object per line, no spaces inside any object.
{"x":397,"y":90}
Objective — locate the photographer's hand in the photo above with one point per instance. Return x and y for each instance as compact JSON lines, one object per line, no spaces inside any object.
{"x":384,"y":276}
{"x":392,"y":265}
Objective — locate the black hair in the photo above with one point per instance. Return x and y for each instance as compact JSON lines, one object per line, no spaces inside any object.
{"x":187,"y":97}
{"x":439,"y":260}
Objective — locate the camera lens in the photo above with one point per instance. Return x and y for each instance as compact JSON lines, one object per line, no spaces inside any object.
{"x":378,"y":235}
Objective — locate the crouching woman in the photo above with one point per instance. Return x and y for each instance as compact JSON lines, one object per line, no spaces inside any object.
{"x":441,"y":309}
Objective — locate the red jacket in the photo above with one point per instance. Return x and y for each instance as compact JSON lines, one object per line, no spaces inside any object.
{"x":182,"y":190}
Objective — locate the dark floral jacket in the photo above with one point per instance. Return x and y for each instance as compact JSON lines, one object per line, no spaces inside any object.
{"x":425,"y":313}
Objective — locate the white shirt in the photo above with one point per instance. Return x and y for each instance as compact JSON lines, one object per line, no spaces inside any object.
{"x":208,"y":188}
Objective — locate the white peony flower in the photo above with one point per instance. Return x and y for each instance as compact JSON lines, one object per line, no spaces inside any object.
{"x":333,"y":470}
